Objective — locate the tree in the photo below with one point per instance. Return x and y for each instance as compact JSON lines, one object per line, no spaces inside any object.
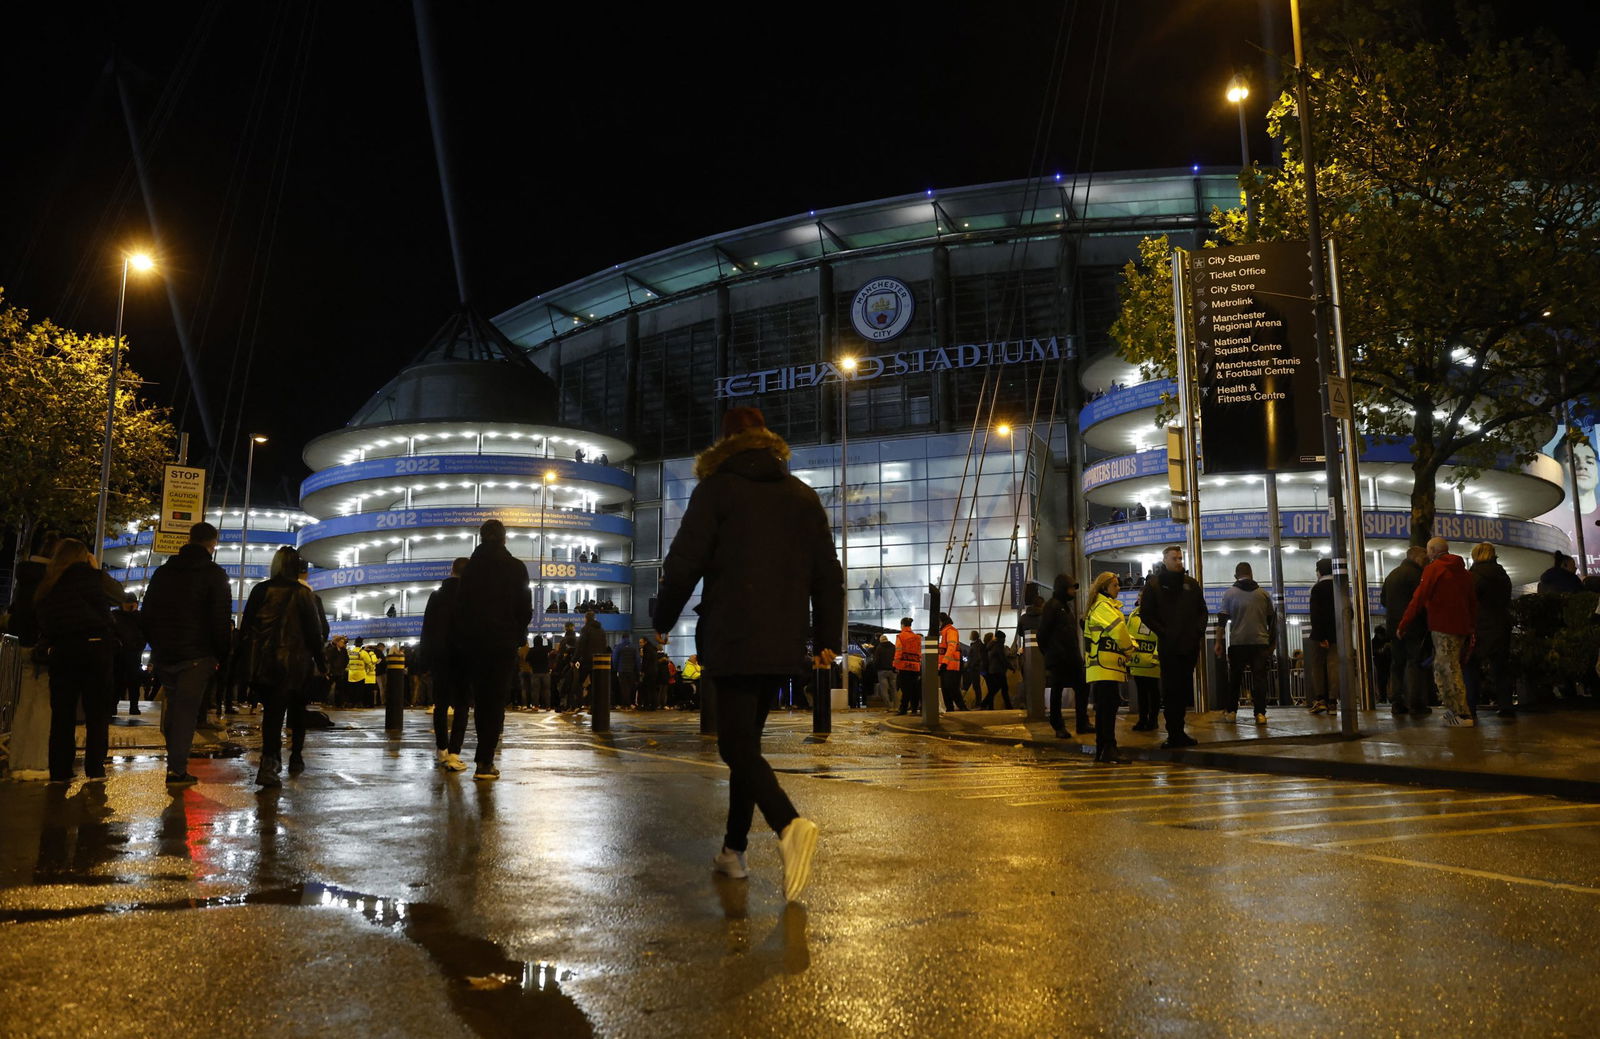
{"x":52,"y":431}
{"x":1460,"y":176}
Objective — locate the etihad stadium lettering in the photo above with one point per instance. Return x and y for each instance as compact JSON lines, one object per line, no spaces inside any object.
{"x":901,"y":362}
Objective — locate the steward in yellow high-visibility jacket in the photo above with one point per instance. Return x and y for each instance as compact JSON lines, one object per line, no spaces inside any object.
{"x":1145,"y":662}
{"x":1106,"y":642}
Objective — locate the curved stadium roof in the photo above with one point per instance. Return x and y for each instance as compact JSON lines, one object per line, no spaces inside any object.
{"x":1110,"y":203}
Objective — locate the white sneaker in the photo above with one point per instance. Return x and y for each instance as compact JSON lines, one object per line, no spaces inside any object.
{"x":796,"y":845}
{"x":1467,"y":721}
{"x":730,"y":864}
{"x":1261,"y":717}
{"x":453,"y":763}
{"x":439,"y":757}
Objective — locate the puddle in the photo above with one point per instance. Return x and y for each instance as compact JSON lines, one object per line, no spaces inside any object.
{"x":494,"y":994}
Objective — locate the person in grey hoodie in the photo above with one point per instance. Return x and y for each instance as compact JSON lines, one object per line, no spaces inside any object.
{"x":1246,"y":617}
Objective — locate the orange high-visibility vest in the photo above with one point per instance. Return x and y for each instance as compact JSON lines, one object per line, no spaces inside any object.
{"x":907,"y":651}
{"x":949,"y":648}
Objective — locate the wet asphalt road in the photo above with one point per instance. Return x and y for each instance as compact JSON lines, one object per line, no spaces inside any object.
{"x":961,"y":890}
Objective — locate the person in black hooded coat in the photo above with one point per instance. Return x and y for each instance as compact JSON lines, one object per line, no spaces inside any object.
{"x":759,"y":539}
{"x":73,"y":610}
{"x":1061,"y":643}
{"x":281,"y":636}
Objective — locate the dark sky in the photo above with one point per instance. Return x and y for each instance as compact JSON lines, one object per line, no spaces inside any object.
{"x":290,"y":162}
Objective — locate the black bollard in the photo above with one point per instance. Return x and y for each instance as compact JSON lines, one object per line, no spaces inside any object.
{"x":394,"y":703}
{"x":821,"y":699}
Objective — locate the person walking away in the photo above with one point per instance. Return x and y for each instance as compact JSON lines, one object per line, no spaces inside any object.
{"x":129,"y":671}
{"x":334,"y":658}
{"x":972,"y":673}
{"x":1488,"y":668}
{"x":1447,"y":596}
{"x":187,"y":618}
{"x":1061,"y":645}
{"x":72,"y":607}
{"x":448,"y":670}
{"x":524,"y":678}
{"x":355,"y":674}
{"x":1175,"y":609}
{"x":883,"y":661}
{"x":1323,"y":655}
{"x":1144,"y":665}
{"x":280,"y":636}
{"x":649,"y":676}
{"x":950,"y":664}
{"x":1382,"y":660}
{"x":759,"y":539}
{"x":493,"y":609}
{"x":592,"y":646}
{"x":908,"y":667}
{"x":625,"y":665}
{"x":1106,"y":638}
{"x":1407,"y":693}
{"x":539,"y":669}
{"x":996,"y":664}
{"x":1247,"y":627}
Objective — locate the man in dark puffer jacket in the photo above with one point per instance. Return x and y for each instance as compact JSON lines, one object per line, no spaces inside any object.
{"x":187,"y":620}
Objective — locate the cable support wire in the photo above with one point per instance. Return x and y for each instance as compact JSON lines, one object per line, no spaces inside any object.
{"x":268,"y":232}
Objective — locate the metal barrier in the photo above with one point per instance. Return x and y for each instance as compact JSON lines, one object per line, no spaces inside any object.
{"x":1268,"y":677}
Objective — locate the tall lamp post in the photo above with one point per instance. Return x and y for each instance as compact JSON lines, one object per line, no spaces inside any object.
{"x":1338,"y":523}
{"x":244,"y":528}
{"x":544,"y":507}
{"x":139,"y":262}
{"x":1238,"y":90}
{"x":847,"y":368}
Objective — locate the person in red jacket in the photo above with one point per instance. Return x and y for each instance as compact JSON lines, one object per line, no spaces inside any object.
{"x":1447,"y":595}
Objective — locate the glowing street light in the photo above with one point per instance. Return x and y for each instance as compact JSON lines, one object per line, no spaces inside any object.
{"x":244,"y":529}
{"x":139,"y":262}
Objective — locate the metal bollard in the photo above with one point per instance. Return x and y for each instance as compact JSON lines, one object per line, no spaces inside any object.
{"x":394,"y":702}
{"x":1033,"y":676}
{"x":930,"y":682}
{"x":600,"y":693}
{"x":821,"y":700}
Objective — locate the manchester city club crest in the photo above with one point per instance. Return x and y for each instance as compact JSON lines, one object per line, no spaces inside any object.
{"x":882,"y":309}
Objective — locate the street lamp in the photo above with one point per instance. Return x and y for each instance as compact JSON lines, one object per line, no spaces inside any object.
{"x":244,"y":528}
{"x":139,"y":262}
{"x":847,"y":367}
{"x":1238,"y":90}
{"x":544,"y":507}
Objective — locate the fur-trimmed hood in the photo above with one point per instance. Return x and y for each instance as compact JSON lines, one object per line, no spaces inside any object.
{"x":768,"y":460}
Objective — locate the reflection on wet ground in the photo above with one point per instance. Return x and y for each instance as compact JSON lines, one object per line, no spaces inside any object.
{"x":494,"y":994}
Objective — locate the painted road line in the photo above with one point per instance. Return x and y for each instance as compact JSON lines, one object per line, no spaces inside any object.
{"x":1402,"y":819}
{"x":1292,"y":796}
{"x":1454,"y":833}
{"x":1198,"y":784}
{"x":1464,"y":871}
{"x":1068,"y":798}
{"x":1225,"y":816}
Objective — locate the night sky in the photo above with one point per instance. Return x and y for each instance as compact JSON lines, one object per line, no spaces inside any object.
{"x":290,"y":160}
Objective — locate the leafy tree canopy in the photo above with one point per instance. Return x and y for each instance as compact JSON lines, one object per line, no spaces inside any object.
{"x":52,"y":430}
{"x":1459,"y":174}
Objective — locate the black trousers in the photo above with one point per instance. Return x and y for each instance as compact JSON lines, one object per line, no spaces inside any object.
{"x":491,"y":674}
{"x":910,"y":686}
{"x":1068,"y":677}
{"x":1107,"y":699}
{"x":743,"y":702}
{"x":998,"y":683}
{"x":129,"y":680}
{"x":80,"y":673}
{"x":1148,"y":688}
{"x":450,"y":697}
{"x":1177,"y":686}
{"x":1254,"y":658}
{"x":276,"y":701}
